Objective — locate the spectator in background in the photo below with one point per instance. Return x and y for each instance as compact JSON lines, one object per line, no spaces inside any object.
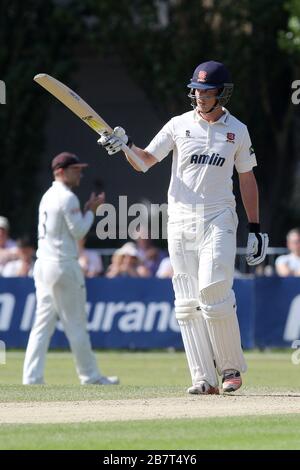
{"x":165,"y":269}
{"x":149,"y":254}
{"x":5,"y":241}
{"x":289,"y":265}
{"x":126,"y":263}
{"x":89,"y":260}
{"x":114,"y":268}
{"x":22,"y":266}
{"x":7,"y":246}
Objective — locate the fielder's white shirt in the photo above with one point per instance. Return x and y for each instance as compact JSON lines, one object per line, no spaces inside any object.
{"x":204,"y":156}
{"x":61,"y":224}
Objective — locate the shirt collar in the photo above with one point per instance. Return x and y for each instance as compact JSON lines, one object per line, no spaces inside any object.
{"x":60,"y":183}
{"x":224,"y":119}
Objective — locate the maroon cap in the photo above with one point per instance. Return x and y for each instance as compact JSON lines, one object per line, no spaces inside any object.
{"x":65,"y":159}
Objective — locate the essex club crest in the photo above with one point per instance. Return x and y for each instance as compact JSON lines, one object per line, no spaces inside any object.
{"x":230,"y":137}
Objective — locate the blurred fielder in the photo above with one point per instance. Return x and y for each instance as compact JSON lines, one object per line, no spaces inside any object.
{"x":207,"y":143}
{"x":60,"y":285}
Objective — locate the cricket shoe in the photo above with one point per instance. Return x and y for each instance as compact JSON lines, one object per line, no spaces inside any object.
{"x":203,"y":388}
{"x":107,"y":380}
{"x":231,"y":381}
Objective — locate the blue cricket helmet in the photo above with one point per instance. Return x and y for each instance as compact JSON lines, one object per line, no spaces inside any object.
{"x":210,"y":75}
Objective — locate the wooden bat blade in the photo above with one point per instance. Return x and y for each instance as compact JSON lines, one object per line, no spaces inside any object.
{"x":84,"y":111}
{"x":73,"y":101}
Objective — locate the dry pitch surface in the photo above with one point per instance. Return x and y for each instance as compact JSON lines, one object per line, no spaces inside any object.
{"x":152,"y":408}
{"x":273,"y":379}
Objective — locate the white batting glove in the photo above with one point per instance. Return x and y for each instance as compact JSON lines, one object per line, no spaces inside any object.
{"x":257,"y":245}
{"x":113,"y":142}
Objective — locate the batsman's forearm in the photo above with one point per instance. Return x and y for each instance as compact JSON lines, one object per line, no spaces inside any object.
{"x":146,"y":157}
{"x":132,"y":163}
{"x":250,"y":198}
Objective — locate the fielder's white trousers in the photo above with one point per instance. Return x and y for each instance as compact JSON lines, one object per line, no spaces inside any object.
{"x":60,"y":294}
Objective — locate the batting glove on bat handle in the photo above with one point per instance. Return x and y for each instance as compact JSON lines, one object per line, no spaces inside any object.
{"x":257,"y":245}
{"x":114,"y":142}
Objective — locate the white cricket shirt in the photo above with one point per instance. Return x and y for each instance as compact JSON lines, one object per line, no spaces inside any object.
{"x":204,"y":155}
{"x":61,"y":224}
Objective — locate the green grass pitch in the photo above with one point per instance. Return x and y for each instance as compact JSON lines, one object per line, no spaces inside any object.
{"x":146,"y":376}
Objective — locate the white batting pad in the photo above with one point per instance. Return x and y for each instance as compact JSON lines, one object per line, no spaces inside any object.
{"x":198,"y":350}
{"x":185,"y":286}
{"x":193,"y":329}
{"x":186,"y":301}
{"x":224,"y":333}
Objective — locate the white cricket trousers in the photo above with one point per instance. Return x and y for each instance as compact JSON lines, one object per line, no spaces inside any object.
{"x":205,"y":250}
{"x":202,"y":255}
{"x":60,"y":294}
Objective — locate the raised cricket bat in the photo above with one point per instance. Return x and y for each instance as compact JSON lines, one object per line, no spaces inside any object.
{"x":79,"y":107}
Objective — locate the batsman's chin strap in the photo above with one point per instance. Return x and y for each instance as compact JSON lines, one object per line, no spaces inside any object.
{"x":211,"y":110}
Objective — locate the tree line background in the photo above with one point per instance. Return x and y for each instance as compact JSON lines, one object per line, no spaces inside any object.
{"x":160,"y":42}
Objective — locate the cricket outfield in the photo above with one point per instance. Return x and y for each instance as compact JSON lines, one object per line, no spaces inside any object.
{"x":150,"y":409}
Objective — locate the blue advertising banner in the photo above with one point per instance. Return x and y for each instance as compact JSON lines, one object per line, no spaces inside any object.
{"x":139,"y":313}
{"x":122,"y":313}
{"x":245,"y":300}
{"x":277,"y":311}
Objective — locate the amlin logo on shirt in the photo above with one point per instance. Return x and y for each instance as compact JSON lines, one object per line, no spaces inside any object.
{"x":204,"y":159}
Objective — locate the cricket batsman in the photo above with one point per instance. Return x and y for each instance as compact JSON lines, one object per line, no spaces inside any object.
{"x":207,"y":143}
